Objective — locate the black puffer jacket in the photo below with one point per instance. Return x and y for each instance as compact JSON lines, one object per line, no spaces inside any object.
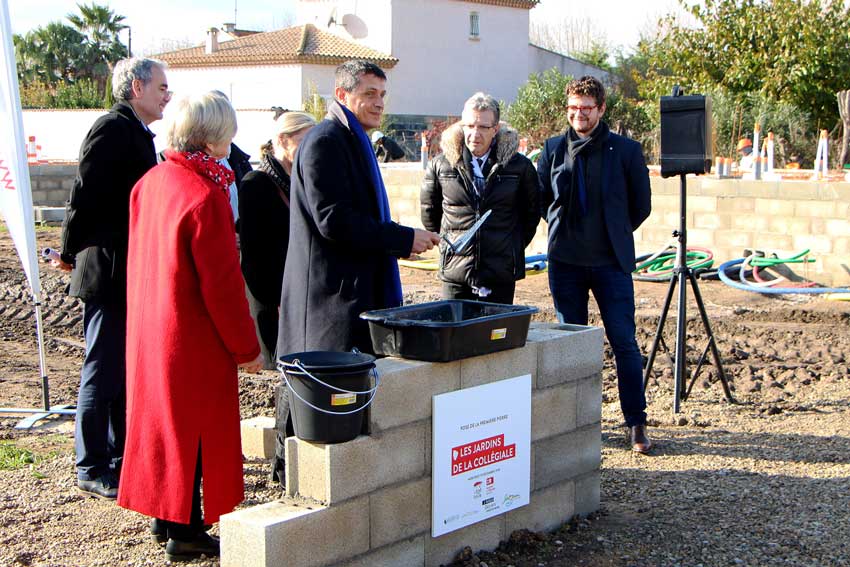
{"x":451,"y":206}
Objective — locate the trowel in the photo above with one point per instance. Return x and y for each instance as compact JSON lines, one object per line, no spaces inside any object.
{"x":464,"y":239}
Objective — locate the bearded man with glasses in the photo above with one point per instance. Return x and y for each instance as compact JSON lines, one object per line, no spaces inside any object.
{"x":595,"y":194}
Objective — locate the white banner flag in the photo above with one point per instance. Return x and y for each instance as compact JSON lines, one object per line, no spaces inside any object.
{"x":15,"y":190}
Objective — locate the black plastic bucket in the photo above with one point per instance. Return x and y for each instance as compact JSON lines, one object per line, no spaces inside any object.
{"x":329,"y":392}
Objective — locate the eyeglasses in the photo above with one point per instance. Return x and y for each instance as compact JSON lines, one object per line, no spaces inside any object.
{"x":478,"y":127}
{"x":583,"y":109}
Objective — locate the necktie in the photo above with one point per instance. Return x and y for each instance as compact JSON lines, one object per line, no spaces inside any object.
{"x":478,"y":177}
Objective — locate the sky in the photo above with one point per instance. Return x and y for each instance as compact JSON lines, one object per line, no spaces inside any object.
{"x":154,"y":23}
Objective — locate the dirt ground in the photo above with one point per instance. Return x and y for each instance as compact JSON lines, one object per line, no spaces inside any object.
{"x":763,"y":481}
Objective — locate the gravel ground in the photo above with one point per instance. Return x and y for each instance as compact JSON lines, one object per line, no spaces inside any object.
{"x":761,"y":482}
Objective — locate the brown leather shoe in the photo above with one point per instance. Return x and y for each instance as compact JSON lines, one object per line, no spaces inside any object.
{"x":639,"y":439}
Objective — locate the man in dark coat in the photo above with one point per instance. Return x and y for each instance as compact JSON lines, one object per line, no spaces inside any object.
{"x":115,"y":154}
{"x":343,"y":245}
{"x":386,"y":149}
{"x":595,"y":195}
{"x":479,"y":171}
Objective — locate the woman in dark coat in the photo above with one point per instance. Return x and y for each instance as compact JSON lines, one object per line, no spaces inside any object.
{"x":264,"y":236}
{"x":264,"y":225}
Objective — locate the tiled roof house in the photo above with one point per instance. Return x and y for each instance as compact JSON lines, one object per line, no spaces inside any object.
{"x":436,"y":54}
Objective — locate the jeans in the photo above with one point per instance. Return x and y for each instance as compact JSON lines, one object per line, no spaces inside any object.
{"x":615,"y":295}
{"x":100,"y":425}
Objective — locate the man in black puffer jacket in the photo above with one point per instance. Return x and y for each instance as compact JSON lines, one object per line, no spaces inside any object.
{"x":479,"y":171}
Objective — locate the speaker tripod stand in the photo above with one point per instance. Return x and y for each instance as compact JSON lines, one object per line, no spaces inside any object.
{"x":682,"y":275}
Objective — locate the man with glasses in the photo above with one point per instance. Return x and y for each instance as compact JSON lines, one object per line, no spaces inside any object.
{"x":117,"y":151}
{"x":595,"y":195}
{"x":480,"y":171}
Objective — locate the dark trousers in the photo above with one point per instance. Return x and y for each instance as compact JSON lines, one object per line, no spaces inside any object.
{"x":498,"y":294}
{"x":187,"y":532}
{"x":615,"y":295}
{"x":101,"y":422}
{"x":283,"y":427}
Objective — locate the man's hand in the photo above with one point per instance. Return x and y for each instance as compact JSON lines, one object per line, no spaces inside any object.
{"x":254,"y":366}
{"x":423,"y":240}
{"x":64,"y":266}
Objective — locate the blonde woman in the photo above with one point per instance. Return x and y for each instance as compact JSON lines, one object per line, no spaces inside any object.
{"x":188,"y":329}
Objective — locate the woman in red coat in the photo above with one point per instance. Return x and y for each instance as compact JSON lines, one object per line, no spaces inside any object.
{"x":188,"y":329}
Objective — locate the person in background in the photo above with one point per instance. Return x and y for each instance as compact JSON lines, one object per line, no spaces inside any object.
{"x":264,"y":234}
{"x":794,"y":162}
{"x":596,"y":193}
{"x":386,"y":149}
{"x":745,"y":154}
{"x":480,"y":170}
{"x":115,"y":154}
{"x":343,"y":243}
{"x":188,"y":330}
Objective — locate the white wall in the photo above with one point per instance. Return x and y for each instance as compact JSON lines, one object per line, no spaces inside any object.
{"x":248,"y":87}
{"x":540,"y":60}
{"x":61,"y":132}
{"x":440,"y":67}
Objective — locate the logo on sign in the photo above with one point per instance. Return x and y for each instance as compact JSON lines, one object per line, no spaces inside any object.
{"x":481,"y":453}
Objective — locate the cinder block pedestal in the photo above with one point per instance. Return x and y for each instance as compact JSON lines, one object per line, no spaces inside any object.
{"x":368,"y":501}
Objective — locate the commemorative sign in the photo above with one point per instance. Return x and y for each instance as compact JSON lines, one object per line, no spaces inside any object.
{"x":481,"y":453}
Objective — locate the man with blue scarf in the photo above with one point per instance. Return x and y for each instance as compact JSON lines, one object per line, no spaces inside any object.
{"x":343,"y":244}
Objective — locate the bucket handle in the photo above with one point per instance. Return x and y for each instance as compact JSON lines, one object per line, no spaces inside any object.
{"x":371,"y":392}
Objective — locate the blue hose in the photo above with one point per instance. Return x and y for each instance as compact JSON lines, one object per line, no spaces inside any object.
{"x":721,"y":271}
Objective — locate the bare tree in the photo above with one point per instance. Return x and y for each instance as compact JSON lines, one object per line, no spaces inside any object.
{"x":570,"y":35}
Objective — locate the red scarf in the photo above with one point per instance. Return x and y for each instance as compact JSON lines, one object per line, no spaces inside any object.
{"x":207,"y":166}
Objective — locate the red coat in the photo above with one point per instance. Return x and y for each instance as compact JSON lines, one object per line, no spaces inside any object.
{"x":188,"y":326}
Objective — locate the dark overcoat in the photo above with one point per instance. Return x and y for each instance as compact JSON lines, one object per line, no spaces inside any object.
{"x":626,"y":194}
{"x":117,"y":151}
{"x":336,"y":262}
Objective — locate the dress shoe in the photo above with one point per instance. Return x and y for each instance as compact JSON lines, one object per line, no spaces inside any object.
{"x":201,"y":544}
{"x":159,"y":533}
{"x":106,"y":486}
{"x":639,"y":439}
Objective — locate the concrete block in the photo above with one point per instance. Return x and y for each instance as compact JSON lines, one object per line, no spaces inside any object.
{"x":497,"y":366}
{"x":48,"y":214}
{"x":773,"y":207}
{"x":483,"y":535}
{"x":753,"y":188}
{"x":702,"y":204}
{"x":587,"y":493}
{"x":567,"y":456}
{"x":816,"y":209}
{"x":400,"y":511}
{"x":702,"y":236}
{"x":817,"y":243}
{"x":55,"y":197}
{"x":790,"y":225}
{"x":258,"y":437}
{"x":768,"y":241}
{"x":589,"y":400}
{"x":837,"y":227}
{"x":409,"y":553}
{"x":729,"y":238}
{"x":406,"y":389}
{"x":755,"y":223}
{"x":567,"y":352}
{"x":281,"y":533}
{"x":712,"y":221}
{"x":553,"y":410}
{"x":736,"y":205}
{"x":548,"y":509}
{"x":334,"y":473}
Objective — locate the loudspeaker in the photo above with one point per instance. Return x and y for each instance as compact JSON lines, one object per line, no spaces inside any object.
{"x":685,"y":134}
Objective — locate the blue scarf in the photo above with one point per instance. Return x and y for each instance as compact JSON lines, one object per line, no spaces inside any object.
{"x":392,"y":281}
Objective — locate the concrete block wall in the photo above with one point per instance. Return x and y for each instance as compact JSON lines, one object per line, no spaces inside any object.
{"x":724,"y":215}
{"x":51,"y":183}
{"x":372,"y":495}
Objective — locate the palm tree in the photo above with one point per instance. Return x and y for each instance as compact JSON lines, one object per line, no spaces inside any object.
{"x":101,"y":27}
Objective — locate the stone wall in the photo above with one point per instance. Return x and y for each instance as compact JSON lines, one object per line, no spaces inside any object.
{"x":725,"y":215}
{"x":367,"y":502}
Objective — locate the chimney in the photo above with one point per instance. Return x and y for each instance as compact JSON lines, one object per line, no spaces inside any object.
{"x":229,"y":27}
{"x":212,"y":41}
